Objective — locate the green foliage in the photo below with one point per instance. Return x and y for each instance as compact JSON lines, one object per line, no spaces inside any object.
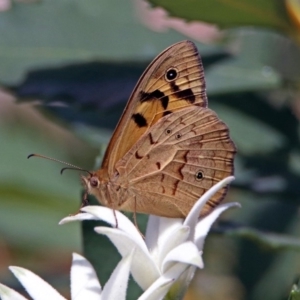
{"x":54,"y":33}
{"x":87,"y":56}
{"x":270,"y":14}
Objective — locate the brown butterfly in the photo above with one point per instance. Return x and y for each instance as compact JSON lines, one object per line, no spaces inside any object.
{"x":168,"y":148}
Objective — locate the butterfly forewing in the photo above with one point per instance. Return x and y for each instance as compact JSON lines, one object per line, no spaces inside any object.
{"x":174,"y":80}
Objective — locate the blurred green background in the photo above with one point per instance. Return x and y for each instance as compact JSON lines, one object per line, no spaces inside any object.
{"x":67,"y":69}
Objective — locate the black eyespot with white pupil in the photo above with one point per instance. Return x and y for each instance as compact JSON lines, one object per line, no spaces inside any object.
{"x":178,"y":136}
{"x":171,"y":74}
{"x":199,"y":175}
{"x":168,"y":131}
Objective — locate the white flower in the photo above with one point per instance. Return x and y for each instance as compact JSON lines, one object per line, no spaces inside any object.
{"x":172,"y":247}
{"x":84,"y":283}
{"x":170,"y":254}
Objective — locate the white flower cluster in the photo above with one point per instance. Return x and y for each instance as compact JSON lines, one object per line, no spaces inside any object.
{"x":170,"y":253}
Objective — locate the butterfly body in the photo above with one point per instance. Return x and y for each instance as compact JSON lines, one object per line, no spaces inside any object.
{"x":168,"y":148}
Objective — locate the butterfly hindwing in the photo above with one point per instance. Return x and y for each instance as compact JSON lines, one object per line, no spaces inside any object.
{"x":176,"y":161}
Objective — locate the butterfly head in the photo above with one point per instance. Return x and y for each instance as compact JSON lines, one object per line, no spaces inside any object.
{"x":91,"y":181}
{"x":96,"y":184}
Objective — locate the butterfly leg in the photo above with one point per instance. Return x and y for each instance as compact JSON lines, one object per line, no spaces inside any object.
{"x":135,"y":219}
{"x":114,"y":212}
{"x":85,"y":200}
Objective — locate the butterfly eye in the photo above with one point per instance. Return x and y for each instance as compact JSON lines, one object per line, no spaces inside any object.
{"x":199,"y":175}
{"x":171,"y":74}
{"x":94,"y":182}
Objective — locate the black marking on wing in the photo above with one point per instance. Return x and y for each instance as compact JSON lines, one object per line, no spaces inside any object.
{"x":137,"y":156}
{"x":152,"y":142}
{"x":167,"y":112}
{"x":139,"y":120}
{"x":184,"y":94}
{"x":174,"y":87}
{"x":164,"y":102}
{"x":155,"y":94}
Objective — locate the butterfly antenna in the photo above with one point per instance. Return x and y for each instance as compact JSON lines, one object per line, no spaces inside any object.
{"x":71,"y":167}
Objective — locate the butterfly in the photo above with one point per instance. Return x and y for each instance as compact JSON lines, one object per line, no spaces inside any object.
{"x":168,"y":148}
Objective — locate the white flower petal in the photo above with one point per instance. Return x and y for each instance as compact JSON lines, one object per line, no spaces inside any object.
{"x":158,"y":290}
{"x":84,"y":280}
{"x":157,"y":226}
{"x":161,"y":286}
{"x":7,"y":293}
{"x":142,"y":260}
{"x":152,"y":228}
{"x":183,"y":281}
{"x":186,"y":253}
{"x":172,"y":240}
{"x":192,"y":218}
{"x":36,"y":287}
{"x":78,"y":217}
{"x":175,"y":271}
{"x":204,"y":225}
{"x":116,"y":286}
{"x":106,"y":214}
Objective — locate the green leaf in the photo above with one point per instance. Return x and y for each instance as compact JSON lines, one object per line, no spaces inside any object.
{"x":54,"y":32}
{"x":34,"y":196}
{"x":227,"y":14}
